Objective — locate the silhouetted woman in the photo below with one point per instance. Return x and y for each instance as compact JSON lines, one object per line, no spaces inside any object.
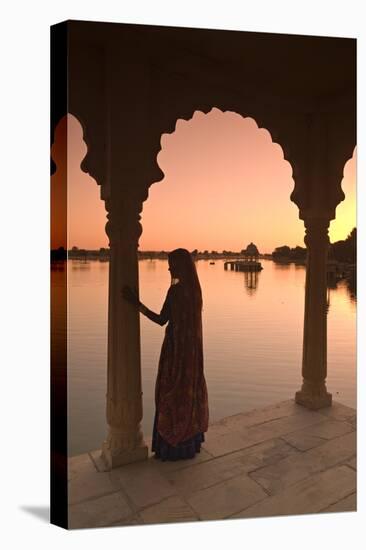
{"x":181,"y":415}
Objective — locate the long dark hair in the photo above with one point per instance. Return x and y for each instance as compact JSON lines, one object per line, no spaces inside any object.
{"x":186,"y":271}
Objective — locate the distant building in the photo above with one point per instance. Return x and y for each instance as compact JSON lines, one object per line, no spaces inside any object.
{"x":251,"y":252}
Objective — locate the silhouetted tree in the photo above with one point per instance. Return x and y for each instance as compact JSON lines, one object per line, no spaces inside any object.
{"x":59,"y":254}
{"x":345,"y":251}
{"x":281,"y":252}
{"x":286,"y":253}
{"x":298,"y":253}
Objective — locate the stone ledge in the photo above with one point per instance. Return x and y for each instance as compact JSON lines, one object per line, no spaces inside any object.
{"x":244,"y":437}
{"x":338,"y":411}
{"x":257,"y":416}
{"x":281,"y":444}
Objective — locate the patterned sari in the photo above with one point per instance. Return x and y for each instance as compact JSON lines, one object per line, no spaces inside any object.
{"x":181,"y":400}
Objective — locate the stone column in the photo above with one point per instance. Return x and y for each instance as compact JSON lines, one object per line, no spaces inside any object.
{"x":313,"y":393}
{"x":124,"y":443}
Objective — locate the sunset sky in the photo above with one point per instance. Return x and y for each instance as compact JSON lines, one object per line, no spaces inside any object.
{"x":226,"y":184}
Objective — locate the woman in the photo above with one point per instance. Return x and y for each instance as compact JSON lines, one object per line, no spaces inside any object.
{"x":181,"y":415}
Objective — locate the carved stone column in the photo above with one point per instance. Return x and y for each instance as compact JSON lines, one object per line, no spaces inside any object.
{"x":313,"y":393}
{"x":319,"y":155}
{"x":124,"y":443}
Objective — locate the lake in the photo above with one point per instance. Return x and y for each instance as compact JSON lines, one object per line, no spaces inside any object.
{"x":252,"y":330}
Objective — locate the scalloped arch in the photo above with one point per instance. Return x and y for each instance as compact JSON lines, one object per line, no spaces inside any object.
{"x":89,"y":164}
{"x":276,"y":136}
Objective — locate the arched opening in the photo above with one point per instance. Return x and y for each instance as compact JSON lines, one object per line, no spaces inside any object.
{"x":345,"y":219}
{"x":341,"y":298}
{"x":204,"y":156}
{"x":227,"y":184}
{"x":82,"y":210}
{"x":88,"y":337}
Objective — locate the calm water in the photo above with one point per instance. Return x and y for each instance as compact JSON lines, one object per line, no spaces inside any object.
{"x":252,"y":341}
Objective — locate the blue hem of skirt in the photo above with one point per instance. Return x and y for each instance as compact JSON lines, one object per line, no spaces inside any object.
{"x":185,"y":449}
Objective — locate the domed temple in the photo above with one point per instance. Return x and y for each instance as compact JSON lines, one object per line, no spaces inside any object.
{"x":250,"y":262}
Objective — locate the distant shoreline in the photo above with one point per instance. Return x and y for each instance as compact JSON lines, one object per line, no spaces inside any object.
{"x":82,"y":254}
{"x":95,"y":255}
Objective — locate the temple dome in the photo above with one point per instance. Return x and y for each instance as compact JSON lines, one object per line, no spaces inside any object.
{"x":251,"y":251}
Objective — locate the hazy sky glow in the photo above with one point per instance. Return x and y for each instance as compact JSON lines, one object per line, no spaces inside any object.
{"x":225,"y":184}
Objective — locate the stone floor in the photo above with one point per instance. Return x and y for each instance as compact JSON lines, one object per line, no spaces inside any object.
{"x":279,"y":460}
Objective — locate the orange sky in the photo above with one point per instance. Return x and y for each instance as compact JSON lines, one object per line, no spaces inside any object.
{"x":225,"y":184}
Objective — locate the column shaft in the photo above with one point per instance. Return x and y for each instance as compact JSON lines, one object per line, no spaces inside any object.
{"x":124,"y":443}
{"x":313,"y":393}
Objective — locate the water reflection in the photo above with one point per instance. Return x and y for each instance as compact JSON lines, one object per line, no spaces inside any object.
{"x":150,"y":264}
{"x":347,"y":285}
{"x":282,"y":266}
{"x":252,"y":340}
{"x":351,"y":284}
{"x":251,"y":279}
{"x":80,"y":265}
{"x":58,"y":265}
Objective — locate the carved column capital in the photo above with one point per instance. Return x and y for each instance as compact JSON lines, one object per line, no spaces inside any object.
{"x":316,"y":233}
{"x":319,"y":156}
{"x":124,"y":219}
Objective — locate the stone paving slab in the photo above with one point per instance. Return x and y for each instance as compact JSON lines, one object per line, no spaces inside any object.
{"x":353,"y":421}
{"x":282,"y":459}
{"x":88,"y":483}
{"x":234,"y":464}
{"x":99,"y":512}
{"x":142,"y":483}
{"x":347,"y":504}
{"x":171,"y":466}
{"x":228,"y":497}
{"x":309,"y":496}
{"x":170,"y":510}
{"x":97,"y":460}
{"x":132,"y":520}
{"x":338,"y":411}
{"x":241,"y":438}
{"x":316,"y":435}
{"x":79,"y":464}
{"x":277,"y":477}
{"x":256,"y":416}
{"x":352,"y":463}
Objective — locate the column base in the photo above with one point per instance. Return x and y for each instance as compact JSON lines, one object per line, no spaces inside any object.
{"x":116,"y":458}
{"x":313,"y":396}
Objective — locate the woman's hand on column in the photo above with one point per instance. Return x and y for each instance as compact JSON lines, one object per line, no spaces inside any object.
{"x":130,"y":295}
